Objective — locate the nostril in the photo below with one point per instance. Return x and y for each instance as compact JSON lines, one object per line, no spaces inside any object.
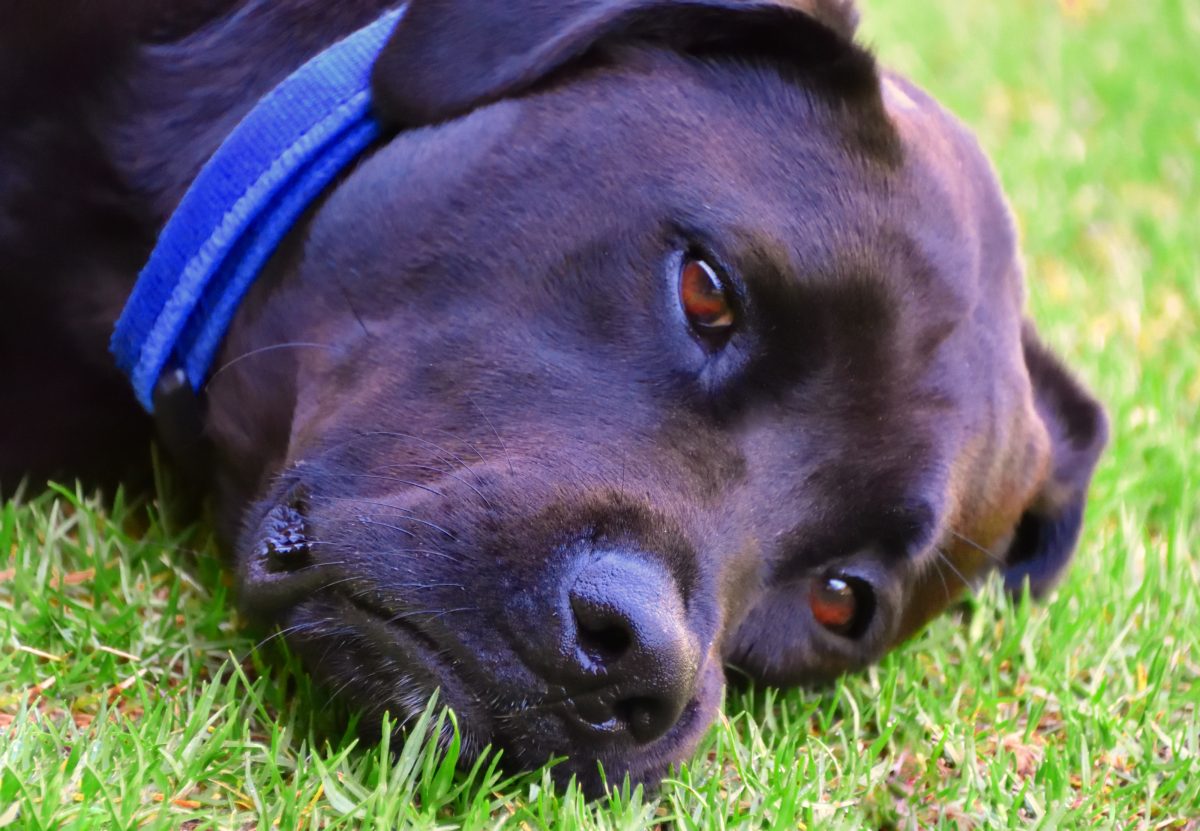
{"x":603,"y":636}
{"x":647,"y":718}
{"x":634,"y":658}
{"x":603,"y":646}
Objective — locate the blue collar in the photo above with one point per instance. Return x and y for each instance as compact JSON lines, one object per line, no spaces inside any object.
{"x":245,"y":199}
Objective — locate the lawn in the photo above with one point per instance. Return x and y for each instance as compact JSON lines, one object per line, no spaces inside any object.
{"x":129,"y":697}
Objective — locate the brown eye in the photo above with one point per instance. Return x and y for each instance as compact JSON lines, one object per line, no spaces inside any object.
{"x":704,"y":299}
{"x":835,"y":604}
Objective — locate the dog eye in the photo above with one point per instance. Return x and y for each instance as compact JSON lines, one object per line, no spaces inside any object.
{"x":840,"y":604}
{"x":704,"y":299}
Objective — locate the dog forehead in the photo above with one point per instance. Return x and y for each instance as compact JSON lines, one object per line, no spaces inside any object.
{"x":956,"y":206}
{"x":769,"y":164}
{"x":759,"y":155}
{"x":654,"y":139}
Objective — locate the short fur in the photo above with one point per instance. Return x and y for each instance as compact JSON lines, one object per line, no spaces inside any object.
{"x":467,"y":371}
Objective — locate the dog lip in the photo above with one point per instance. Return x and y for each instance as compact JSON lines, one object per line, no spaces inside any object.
{"x":588,"y":717}
{"x":644,"y":763}
{"x":266,"y":593}
{"x":422,"y":656}
{"x":394,"y":621}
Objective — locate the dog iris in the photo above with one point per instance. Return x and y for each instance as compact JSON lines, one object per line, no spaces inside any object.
{"x":704,"y":299}
{"x":834,"y":603}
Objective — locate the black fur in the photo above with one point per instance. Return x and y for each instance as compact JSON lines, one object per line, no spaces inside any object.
{"x":466,"y":377}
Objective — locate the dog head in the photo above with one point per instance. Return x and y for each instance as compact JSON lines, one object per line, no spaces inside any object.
{"x":665,"y":335}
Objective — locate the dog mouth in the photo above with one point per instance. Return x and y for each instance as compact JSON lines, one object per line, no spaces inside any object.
{"x":386,"y":633}
{"x":373,"y":653}
{"x":416,"y":664}
{"x":383,"y":661}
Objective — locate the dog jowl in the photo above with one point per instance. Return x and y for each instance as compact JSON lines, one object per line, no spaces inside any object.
{"x":655,"y":337}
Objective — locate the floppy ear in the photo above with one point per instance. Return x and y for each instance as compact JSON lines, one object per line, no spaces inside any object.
{"x":448,"y":57}
{"x":1078,"y":429}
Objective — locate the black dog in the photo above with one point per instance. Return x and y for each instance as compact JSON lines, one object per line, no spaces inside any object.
{"x":658,"y":336}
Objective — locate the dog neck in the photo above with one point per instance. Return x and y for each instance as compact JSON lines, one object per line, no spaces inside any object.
{"x":249,"y":194}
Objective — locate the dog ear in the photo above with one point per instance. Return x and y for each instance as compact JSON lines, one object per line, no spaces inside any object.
{"x":1049,"y":529}
{"x":448,"y":57}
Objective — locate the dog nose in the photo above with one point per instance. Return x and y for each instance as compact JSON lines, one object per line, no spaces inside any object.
{"x":631,"y":634}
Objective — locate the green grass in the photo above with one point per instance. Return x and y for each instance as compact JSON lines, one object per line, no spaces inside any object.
{"x":129,"y":698}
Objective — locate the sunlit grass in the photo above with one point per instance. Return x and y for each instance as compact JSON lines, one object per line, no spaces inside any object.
{"x":129,"y":698}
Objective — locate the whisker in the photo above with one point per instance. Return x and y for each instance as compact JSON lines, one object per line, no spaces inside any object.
{"x":529,"y":472}
{"x":404,"y":512}
{"x":333,"y":583}
{"x":389,"y":526}
{"x":526,"y":706}
{"x":994,"y":557}
{"x":496,"y":433}
{"x":474,"y":448}
{"x":296,"y":627}
{"x":429,"y":614}
{"x":449,"y":473}
{"x":369,"y":591}
{"x":945,"y":559}
{"x":262,"y":349}
{"x":445,"y":612}
{"x":441,"y":471}
{"x":315,"y":566}
{"x":941,"y":575}
{"x":345,"y":685}
{"x":400,"y":435}
{"x":432,"y":551}
{"x":393,"y":479}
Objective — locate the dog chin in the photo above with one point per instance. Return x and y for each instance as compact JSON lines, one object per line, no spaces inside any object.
{"x":526,"y":736}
